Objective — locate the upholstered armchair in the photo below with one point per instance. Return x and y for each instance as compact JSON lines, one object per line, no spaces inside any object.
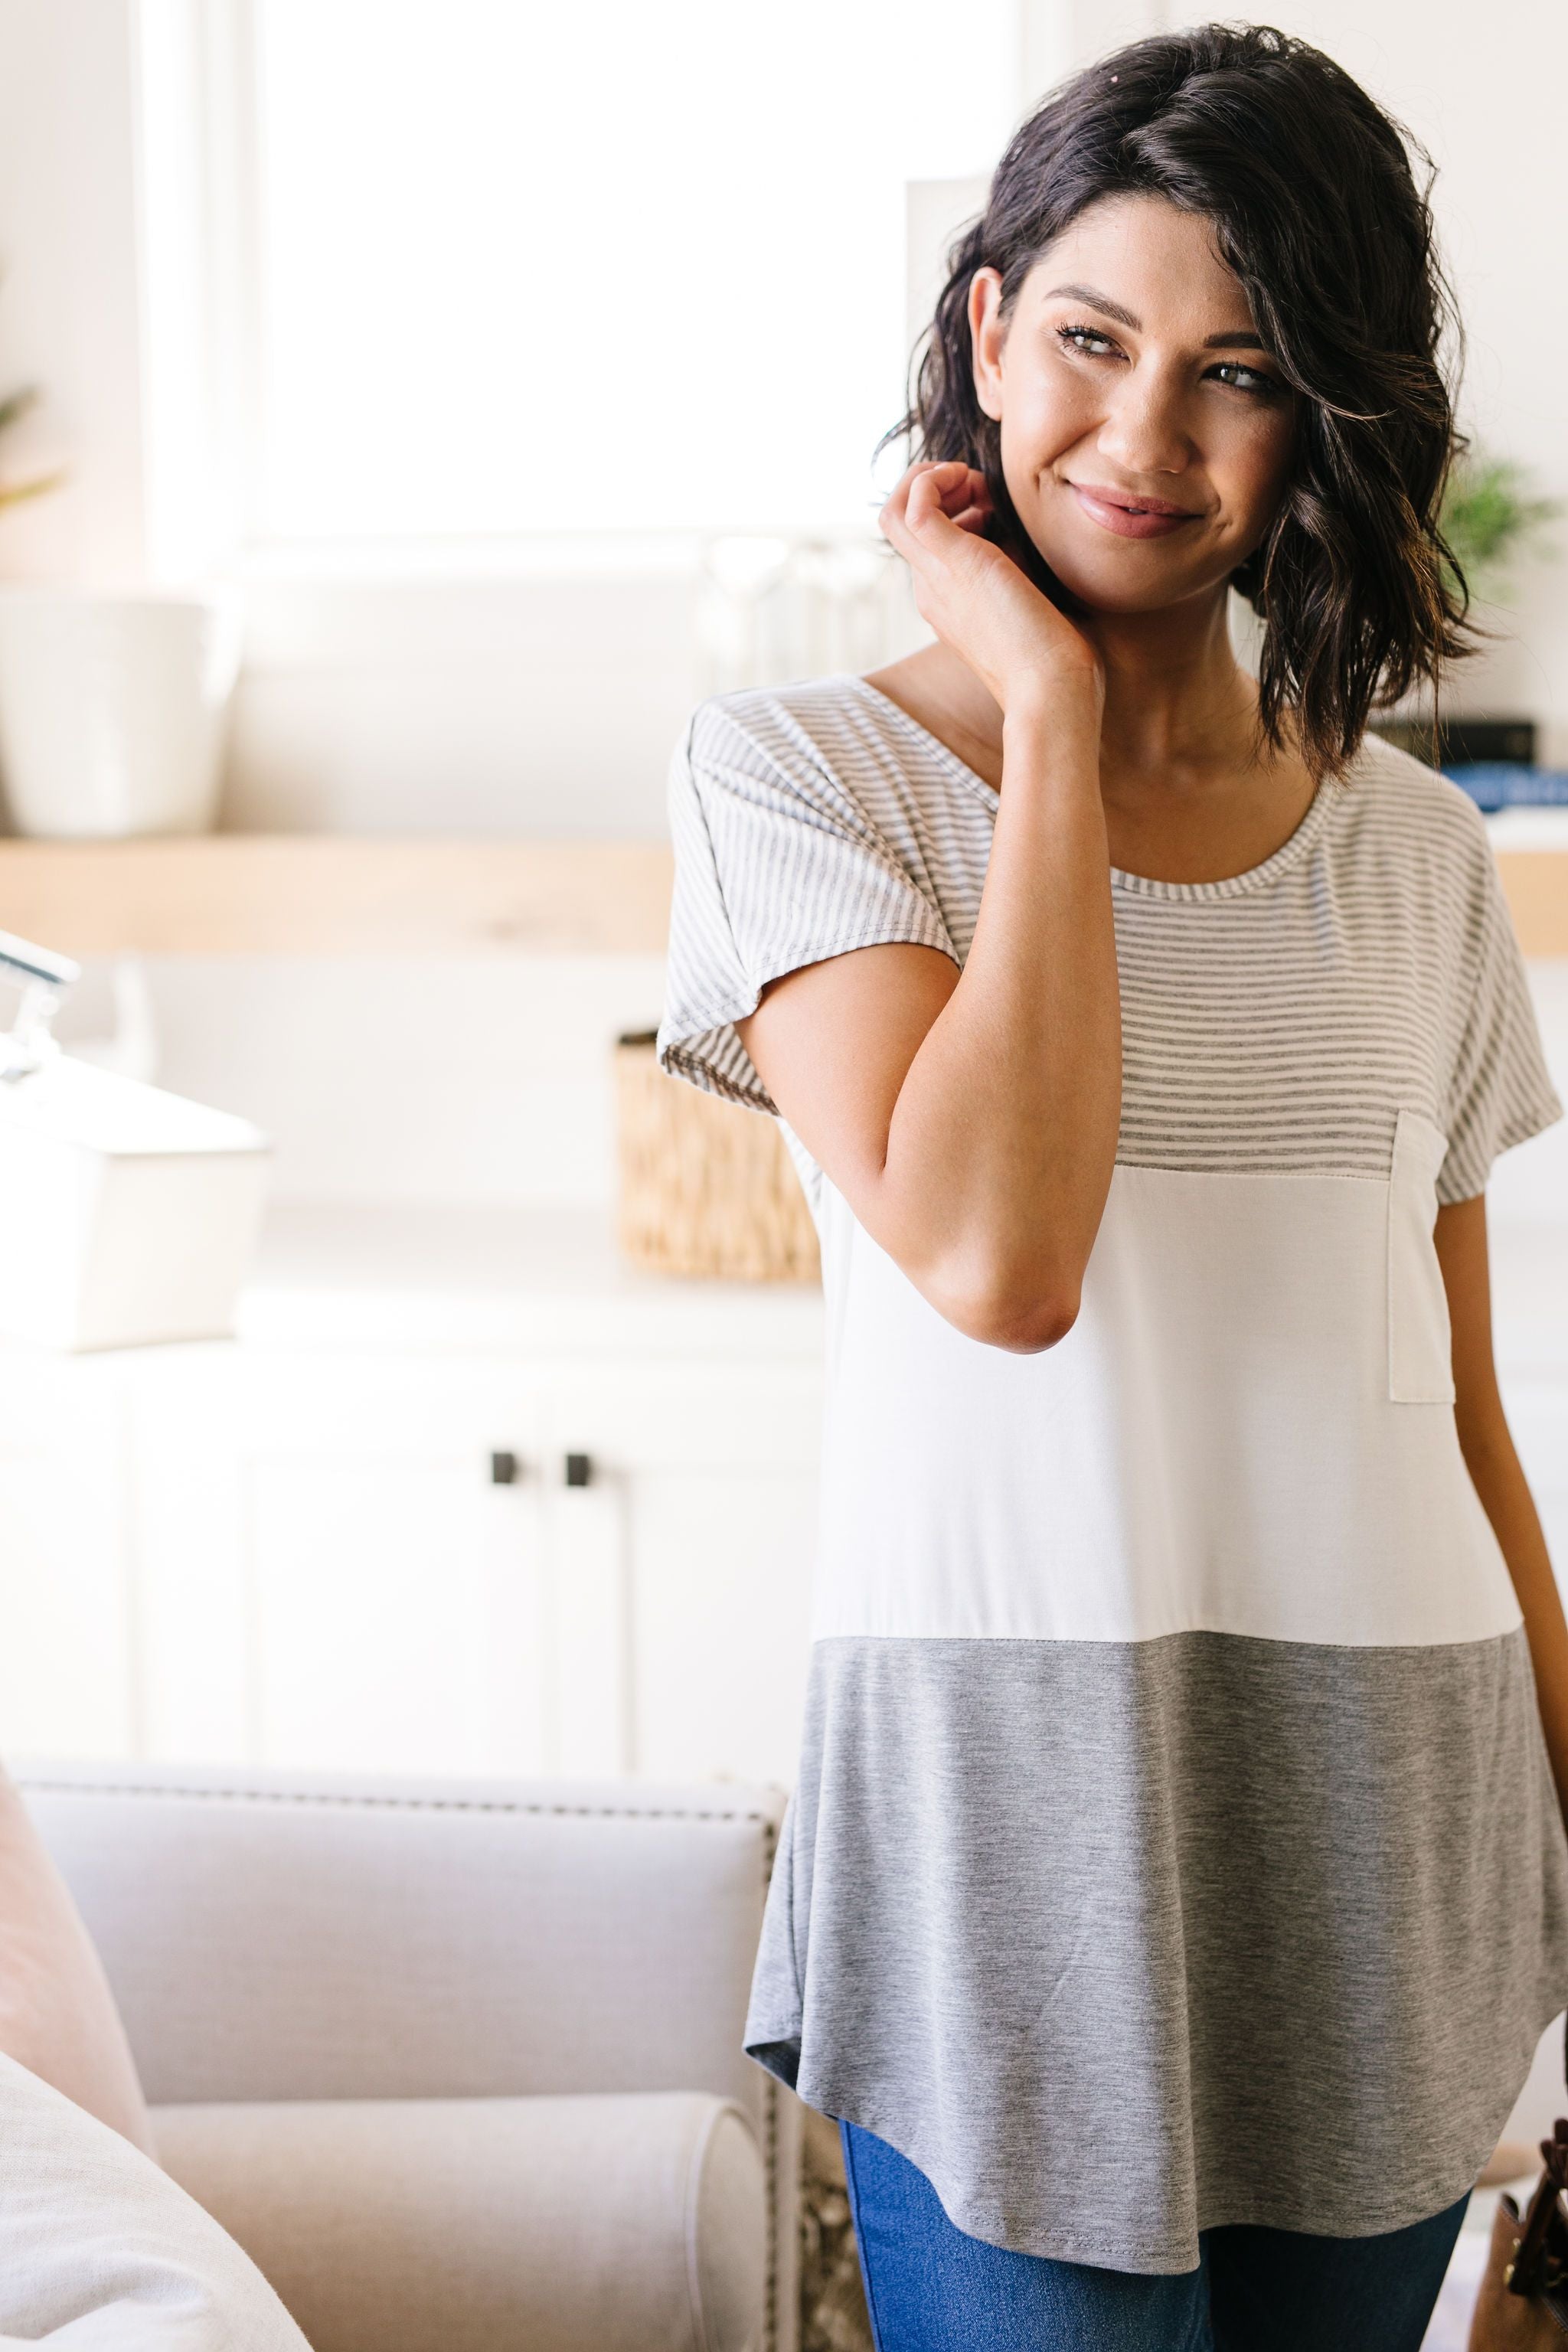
{"x":457,"y":2064}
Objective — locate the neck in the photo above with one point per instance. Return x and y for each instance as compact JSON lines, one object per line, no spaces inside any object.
{"x":1178,"y":704}
{"x":1179,"y":711}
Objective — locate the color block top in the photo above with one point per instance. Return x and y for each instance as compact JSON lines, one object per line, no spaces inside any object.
{"x":1174,"y":1843}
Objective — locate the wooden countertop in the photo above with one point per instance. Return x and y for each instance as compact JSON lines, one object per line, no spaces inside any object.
{"x":327,"y":894}
{"x":332,"y":894}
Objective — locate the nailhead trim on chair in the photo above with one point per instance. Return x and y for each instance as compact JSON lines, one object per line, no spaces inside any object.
{"x":498,"y":1805}
{"x":391,"y":1804}
{"x":770,"y":2140}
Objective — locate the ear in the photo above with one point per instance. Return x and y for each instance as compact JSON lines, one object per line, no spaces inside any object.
{"x":988,"y":335}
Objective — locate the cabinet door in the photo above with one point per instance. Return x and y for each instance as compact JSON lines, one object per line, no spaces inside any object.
{"x":333,"y":1574}
{"x":680,"y":1573}
{"x":66,"y":1668}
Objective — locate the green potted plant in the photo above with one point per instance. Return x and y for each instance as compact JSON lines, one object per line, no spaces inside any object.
{"x":1489,"y":517}
{"x":14,"y":405}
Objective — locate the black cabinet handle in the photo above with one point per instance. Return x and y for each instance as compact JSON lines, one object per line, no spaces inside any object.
{"x":579,"y":1469}
{"x":505,"y":1469}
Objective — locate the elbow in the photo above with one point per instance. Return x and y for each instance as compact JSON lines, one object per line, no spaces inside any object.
{"x":1023,"y":1317}
{"x":1028,"y":1329}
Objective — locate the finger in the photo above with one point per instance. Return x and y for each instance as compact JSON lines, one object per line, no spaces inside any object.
{"x":891,"y":521}
{"x":921,"y":535}
{"x":912,"y":517}
{"x":950,"y":476}
{"x":960,"y":486}
{"x":944,"y":470}
{"x":898,"y":502}
{"x":892,"y":524}
{"x":960,"y":490}
{"x":933,"y":498}
{"x":973,"y":516}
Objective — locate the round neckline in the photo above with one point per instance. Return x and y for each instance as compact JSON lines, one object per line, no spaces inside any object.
{"x":1291,"y":850}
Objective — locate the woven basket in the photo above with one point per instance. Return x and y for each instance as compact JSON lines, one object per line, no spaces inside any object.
{"x":707,"y":1187}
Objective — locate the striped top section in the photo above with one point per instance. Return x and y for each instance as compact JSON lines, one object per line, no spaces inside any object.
{"x":1274,"y":1023}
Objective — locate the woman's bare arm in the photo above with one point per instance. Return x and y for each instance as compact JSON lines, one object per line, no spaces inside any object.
{"x":970,"y":1120}
{"x":1495,"y":1472}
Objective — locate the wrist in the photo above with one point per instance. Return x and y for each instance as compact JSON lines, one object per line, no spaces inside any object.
{"x":1056,"y":684}
{"x":1049,"y":709}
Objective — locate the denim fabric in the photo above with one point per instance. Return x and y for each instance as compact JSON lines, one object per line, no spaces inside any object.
{"x":932,"y":2288}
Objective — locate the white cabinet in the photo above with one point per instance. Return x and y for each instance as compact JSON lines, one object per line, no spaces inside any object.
{"x":330,"y":1576}
{"x":473,"y":1562}
{"x":66,"y":1596}
{"x":685,"y":1561}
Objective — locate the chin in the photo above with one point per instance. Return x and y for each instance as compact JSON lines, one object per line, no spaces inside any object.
{"x":1135,"y":583}
{"x":1086,"y":590}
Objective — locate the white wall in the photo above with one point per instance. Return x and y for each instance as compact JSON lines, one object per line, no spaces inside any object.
{"x":480,"y":1081}
{"x":540,"y":705}
{"x":1481,"y":86}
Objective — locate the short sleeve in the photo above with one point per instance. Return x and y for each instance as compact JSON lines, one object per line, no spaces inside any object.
{"x":777,"y":865}
{"x":1500,"y":1091}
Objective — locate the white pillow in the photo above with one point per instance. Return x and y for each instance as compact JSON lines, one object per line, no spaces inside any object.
{"x":58,"y":2016}
{"x":100,"y":2252}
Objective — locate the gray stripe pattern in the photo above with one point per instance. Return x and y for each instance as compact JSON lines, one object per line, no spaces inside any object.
{"x":1275,"y":1021}
{"x":1119,"y":1941}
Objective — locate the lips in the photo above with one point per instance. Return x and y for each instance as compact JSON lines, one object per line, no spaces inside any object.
{"x":1131,"y":518}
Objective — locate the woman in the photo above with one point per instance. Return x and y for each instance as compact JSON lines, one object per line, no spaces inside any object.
{"x":1176,"y":1888}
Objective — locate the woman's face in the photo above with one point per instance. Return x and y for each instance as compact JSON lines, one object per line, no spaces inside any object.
{"x":1146,"y":432}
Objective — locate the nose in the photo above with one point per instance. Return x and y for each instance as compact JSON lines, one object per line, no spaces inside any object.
{"x":1143,"y":430}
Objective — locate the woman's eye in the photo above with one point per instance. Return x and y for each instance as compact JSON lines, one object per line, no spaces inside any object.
{"x":1086,"y":339}
{"x":1245,"y":378}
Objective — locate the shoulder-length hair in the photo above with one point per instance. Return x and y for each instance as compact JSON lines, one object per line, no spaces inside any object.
{"x":1317,"y":209}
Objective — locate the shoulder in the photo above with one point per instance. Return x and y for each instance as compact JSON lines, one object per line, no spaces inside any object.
{"x":832,"y":746}
{"x":790,"y":732}
{"x":826,"y":723}
{"x":1409,"y":822}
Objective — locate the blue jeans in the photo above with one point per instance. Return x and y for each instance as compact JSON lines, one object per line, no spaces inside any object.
{"x":931,"y":2287}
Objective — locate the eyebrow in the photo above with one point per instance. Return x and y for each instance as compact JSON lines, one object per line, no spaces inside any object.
{"x":1245,"y":339}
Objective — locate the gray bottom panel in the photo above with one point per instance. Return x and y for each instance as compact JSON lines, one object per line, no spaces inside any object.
{"x":1118,"y":1942}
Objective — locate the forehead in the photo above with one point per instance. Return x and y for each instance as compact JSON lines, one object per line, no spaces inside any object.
{"x":1151,"y":258}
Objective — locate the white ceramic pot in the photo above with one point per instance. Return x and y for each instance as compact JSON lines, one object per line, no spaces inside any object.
{"x":114,"y":708}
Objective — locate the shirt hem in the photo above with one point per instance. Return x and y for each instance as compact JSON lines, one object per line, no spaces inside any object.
{"x":1354,"y":2217}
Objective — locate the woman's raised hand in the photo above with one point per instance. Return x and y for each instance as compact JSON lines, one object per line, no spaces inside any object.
{"x":975,"y":597}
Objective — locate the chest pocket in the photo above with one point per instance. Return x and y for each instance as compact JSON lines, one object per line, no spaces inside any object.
{"x":1420,"y":1344}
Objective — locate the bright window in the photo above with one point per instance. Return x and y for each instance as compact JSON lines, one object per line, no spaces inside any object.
{"x":607,"y":267}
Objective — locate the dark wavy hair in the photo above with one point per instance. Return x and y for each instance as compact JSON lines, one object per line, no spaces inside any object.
{"x":1318,"y":210}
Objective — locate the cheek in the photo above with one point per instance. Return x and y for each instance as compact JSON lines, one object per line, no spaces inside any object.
{"x":1043,"y":417}
{"x":1252,"y":466}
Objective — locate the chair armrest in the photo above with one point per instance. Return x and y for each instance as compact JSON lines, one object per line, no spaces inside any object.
{"x":596,"y":2224}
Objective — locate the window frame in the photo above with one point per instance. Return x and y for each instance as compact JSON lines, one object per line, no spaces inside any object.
{"x":199,"y":206}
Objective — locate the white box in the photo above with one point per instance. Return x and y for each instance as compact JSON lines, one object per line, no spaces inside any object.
{"x":127,"y":1216}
